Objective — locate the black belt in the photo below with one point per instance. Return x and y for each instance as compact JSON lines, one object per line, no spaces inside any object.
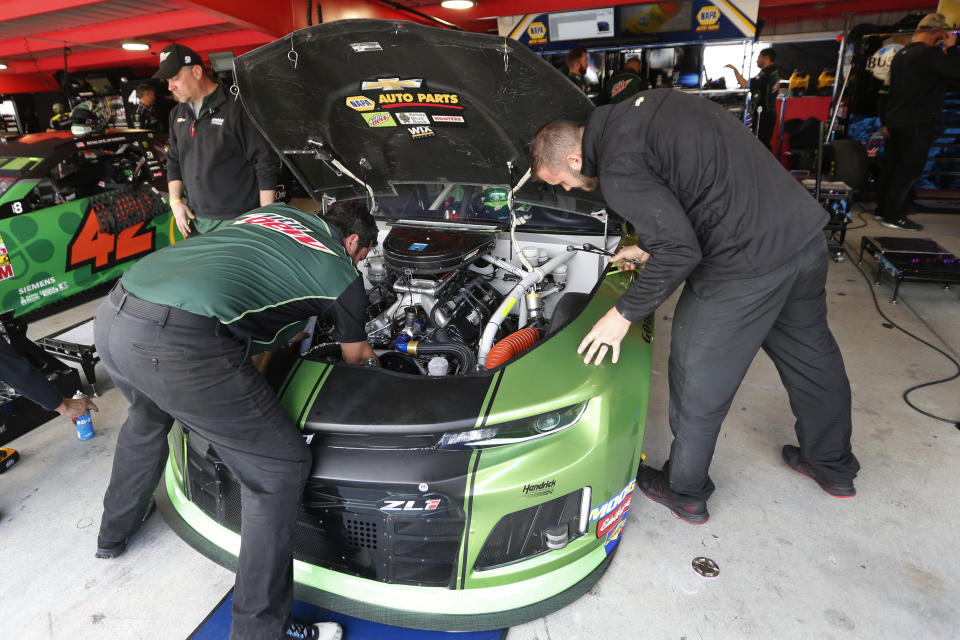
{"x":161,"y":313}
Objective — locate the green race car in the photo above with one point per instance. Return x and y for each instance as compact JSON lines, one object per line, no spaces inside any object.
{"x":482,"y":476}
{"x":75,"y":212}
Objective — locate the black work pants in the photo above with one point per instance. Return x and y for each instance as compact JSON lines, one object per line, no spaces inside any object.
{"x":718,"y":327}
{"x":207,"y":382}
{"x":904,"y":156}
{"x":763,"y":126}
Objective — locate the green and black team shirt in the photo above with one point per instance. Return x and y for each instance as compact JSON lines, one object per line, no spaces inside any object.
{"x":261,"y":275}
{"x":763,"y":90}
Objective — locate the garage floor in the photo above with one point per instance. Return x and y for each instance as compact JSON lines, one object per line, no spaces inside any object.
{"x":794,"y":562}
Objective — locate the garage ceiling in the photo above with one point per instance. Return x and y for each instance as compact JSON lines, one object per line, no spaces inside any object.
{"x":33,"y":33}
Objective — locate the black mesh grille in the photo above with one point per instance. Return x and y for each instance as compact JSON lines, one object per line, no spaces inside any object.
{"x":344,"y":529}
{"x":519,"y":535}
{"x":361,"y":534}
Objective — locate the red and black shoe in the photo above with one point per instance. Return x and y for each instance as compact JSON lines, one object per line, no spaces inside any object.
{"x":654,"y":485}
{"x":791,"y":455}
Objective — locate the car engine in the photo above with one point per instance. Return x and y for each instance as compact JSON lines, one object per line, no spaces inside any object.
{"x":439,"y":299}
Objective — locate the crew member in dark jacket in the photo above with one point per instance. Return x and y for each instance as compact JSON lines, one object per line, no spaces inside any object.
{"x":918,"y":75}
{"x":696,"y":185}
{"x":763,"y":94}
{"x":32,"y":385}
{"x":626,"y":82}
{"x":215,"y":150}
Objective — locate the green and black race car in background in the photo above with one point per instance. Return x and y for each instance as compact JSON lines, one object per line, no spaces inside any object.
{"x":482,"y":476}
{"x":75,"y":212}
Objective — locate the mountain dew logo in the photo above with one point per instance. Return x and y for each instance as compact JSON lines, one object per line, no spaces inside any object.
{"x":288,"y":227}
{"x":164,"y":55}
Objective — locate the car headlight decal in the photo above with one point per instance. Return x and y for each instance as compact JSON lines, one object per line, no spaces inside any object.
{"x":522,"y":430}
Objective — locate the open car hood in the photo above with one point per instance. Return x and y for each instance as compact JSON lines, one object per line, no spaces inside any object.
{"x":397,"y":102}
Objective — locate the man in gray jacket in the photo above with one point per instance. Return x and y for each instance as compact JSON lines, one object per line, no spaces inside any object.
{"x":216,"y":152}
{"x":697,"y":186}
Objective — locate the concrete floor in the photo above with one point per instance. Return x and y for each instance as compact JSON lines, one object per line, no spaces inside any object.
{"x":794,"y":562}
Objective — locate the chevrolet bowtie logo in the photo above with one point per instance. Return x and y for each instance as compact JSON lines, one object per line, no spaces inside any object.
{"x":391,"y":84}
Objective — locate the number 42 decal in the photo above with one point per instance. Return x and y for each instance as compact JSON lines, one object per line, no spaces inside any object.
{"x":104,"y":250}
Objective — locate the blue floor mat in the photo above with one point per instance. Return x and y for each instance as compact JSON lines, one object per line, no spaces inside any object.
{"x":216,"y":626}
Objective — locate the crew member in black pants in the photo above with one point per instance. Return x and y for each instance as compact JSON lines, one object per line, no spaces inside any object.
{"x":176,"y":341}
{"x":712,"y":207}
{"x":918,"y":76}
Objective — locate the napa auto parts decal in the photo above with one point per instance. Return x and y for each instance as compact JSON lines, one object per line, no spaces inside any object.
{"x":611,"y":516}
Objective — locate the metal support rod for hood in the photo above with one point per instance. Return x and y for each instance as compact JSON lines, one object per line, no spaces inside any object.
{"x":420,"y":14}
{"x":837,"y":99}
{"x":513,"y":219}
{"x":516,"y":296}
{"x":328,"y":158}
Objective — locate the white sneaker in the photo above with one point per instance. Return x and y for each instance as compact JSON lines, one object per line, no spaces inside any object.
{"x":303,"y":630}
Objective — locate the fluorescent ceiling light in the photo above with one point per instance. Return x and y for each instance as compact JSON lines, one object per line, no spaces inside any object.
{"x":457,"y":4}
{"x":2,"y":66}
{"x":135,"y":46}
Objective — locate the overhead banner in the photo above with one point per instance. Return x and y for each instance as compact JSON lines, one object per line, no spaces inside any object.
{"x":642,"y":23}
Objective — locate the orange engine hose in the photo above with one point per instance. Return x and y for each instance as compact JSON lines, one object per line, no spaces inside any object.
{"x":514,"y":344}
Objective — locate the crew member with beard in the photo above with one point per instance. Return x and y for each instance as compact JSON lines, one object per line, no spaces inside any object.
{"x":218,"y":162}
{"x":698,"y":188}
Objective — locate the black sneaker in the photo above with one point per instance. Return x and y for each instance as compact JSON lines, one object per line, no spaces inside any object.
{"x":654,"y":485}
{"x":903,"y":223}
{"x":106,"y":551}
{"x":791,"y":455}
{"x":303,"y":630}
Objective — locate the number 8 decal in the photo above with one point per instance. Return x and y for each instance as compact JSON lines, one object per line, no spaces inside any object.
{"x":17,"y":207}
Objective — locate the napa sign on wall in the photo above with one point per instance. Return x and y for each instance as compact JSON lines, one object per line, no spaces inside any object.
{"x":649,"y":22}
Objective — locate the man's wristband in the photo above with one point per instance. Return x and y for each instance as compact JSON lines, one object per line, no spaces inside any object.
{"x":177,"y":201}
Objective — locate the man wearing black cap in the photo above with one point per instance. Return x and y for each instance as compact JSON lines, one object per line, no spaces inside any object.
{"x":216,"y":153}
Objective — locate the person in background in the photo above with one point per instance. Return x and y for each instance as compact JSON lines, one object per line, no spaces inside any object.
{"x":763,"y":94}
{"x":218,"y":161}
{"x":145,"y":117}
{"x":626,"y":82}
{"x":577,"y":65}
{"x":918,"y":77}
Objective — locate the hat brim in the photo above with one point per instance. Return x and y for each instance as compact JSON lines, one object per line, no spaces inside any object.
{"x":164,"y":74}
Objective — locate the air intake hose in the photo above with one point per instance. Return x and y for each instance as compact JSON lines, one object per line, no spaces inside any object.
{"x":514,"y":344}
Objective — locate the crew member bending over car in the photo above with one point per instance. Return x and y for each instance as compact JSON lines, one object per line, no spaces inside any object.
{"x":176,"y":342}
{"x":696,"y":186}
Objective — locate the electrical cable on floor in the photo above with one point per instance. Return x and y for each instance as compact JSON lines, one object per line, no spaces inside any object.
{"x":863,"y":223}
{"x":956,"y":423}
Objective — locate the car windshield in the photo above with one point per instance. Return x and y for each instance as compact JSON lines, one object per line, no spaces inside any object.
{"x":536,"y":208}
